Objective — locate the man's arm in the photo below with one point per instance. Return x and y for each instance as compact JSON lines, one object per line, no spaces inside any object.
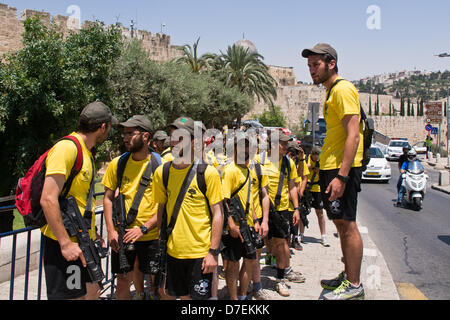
{"x":265,"y":210}
{"x":294,"y":198}
{"x":53,"y":186}
{"x":351,"y":127}
{"x":210,"y":262}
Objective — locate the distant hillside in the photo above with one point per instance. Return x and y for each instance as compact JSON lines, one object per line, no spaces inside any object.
{"x":414,"y":85}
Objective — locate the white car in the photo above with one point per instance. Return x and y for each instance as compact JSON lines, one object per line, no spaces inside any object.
{"x":378,"y":168}
{"x":395,"y":149}
{"x":420,"y":148}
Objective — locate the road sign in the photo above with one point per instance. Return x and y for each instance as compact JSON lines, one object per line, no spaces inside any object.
{"x":428,"y":127}
{"x":434,"y":130}
{"x":433,"y":112}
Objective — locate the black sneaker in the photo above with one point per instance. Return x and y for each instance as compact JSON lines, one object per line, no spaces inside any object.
{"x":296,"y":245}
{"x":333,"y":283}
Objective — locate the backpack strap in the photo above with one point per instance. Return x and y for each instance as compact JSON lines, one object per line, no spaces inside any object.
{"x":121,"y":167}
{"x":180,"y":198}
{"x":76,"y":166}
{"x":156,"y":161}
{"x":284,"y":163}
{"x":201,"y":182}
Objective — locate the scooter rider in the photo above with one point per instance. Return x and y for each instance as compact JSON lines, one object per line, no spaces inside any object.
{"x":411,"y":156}
{"x":401,"y":160}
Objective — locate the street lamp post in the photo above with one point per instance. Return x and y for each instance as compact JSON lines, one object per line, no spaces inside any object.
{"x":443,"y":55}
{"x":162,"y":26}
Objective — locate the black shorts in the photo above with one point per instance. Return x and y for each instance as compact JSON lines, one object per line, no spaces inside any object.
{"x":65,"y":280}
{"x":185,"y":277}
{"x":317,"y":202}
{"x":279,"y":225}
{"x":344,"y":207}
{"x":146,"y":253}
{"x":234,"y":249}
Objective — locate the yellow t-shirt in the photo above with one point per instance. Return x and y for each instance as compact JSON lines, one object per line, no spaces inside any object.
{"x":60,"y":160}
{"x":255,"y":189}
{"x":272,"y":170}
{"x":344,"y":100}
{"x":234,"y":176}
{"x":315,"y":187}
{"x":134,"y":170}
{"x":191,"y":236}
{"x":168,"y":156}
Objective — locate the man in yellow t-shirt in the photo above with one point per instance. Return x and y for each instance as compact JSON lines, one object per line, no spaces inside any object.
{"x":142,"y":231}
{"x":237,"y":182}
{"x":340,"y":166}
{"x":296,"y":153}
{"x":281,"y":217}
{"x":193,"y":245}
{"x":63,"y":258}
{"x":314,"y":195}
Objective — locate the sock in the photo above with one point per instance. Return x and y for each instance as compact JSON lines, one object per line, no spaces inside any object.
{"x":280,"y":273}
{"x":257,"y":286}
{"x":242,"y":298}
{"x":287,"y":270}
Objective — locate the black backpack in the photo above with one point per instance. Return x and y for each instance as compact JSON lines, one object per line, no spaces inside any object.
{"x":368,"y":130}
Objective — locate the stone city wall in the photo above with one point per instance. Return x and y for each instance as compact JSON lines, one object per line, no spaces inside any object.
{"x":12,"y":28}
{"x":294,"y":100}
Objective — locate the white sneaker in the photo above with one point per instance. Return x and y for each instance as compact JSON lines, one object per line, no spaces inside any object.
{"x":324,"y":242}
{"x":261,"y":295}
{"x":282,"y":288}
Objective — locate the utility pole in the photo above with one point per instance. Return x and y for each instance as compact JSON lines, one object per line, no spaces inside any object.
{"x":443,"y":55}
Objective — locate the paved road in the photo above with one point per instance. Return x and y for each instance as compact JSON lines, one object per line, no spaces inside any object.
{"x":415,"y":245}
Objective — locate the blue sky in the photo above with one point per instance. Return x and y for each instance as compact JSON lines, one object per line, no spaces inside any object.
{"x":410,"y":34}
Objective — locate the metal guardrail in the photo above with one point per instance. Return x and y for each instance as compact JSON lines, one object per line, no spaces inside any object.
{"x":109,"y":278}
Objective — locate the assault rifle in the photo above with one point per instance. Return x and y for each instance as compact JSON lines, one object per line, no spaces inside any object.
{"x":77,"y":226}
{"x":238,"y":213}
{"x":120,"y":221}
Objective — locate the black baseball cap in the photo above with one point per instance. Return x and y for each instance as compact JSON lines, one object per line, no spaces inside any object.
{"x":320,"y":48}
{"x":97,"y":112}
{"x":138,"y":121}
{"x":187,"y":124}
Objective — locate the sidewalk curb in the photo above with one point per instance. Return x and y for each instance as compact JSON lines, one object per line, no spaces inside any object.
{"x":441,"y":188}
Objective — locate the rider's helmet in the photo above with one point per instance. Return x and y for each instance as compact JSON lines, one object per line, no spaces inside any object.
{"x":412,"y":155}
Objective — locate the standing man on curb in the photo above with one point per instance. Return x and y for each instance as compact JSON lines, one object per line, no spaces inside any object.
{"x":135,"y":168}
{"x":340,"y":167}
{"x":61,"y":252}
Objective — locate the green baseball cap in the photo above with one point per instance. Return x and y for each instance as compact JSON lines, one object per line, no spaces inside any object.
{"x":186,"y":123}
{"x":97,"y":112}
{"x":293,"y":144}
{"x":160,"y":135}
{"x":320,"y":48}
{"x":138,"y":121}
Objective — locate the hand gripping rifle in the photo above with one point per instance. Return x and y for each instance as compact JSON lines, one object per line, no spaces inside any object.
{"x":76,"y":226}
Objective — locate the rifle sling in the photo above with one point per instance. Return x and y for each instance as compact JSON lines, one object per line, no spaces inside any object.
{"x":143,"y":184}
{"x":184,"y":187}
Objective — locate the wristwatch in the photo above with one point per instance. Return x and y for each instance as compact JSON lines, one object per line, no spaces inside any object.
{"x":214,"y":252}
{"x":342,"y":178}
{"x":144,"y":229}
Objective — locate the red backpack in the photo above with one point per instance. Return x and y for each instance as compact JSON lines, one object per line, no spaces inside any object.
{"x":29,"y":188}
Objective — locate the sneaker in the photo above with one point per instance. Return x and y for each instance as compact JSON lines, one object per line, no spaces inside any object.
{"x":302,"y":239}
{"x":296,"y":245}
{"x":282,"y":288}
{"x":295,"y":277}
{"x":261,"y":295}
{"x":333,"y":283}
{"x":324,"y":242}
{"x":346,"y":291}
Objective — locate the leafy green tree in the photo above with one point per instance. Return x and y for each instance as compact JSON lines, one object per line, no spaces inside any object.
{"x":191,"y":58}
{"x":272,"y":118}
{"x":247,"y":72}
{"x":44,"y":87}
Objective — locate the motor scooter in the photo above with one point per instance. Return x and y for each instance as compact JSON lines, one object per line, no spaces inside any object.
{"x":415,"y":184}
